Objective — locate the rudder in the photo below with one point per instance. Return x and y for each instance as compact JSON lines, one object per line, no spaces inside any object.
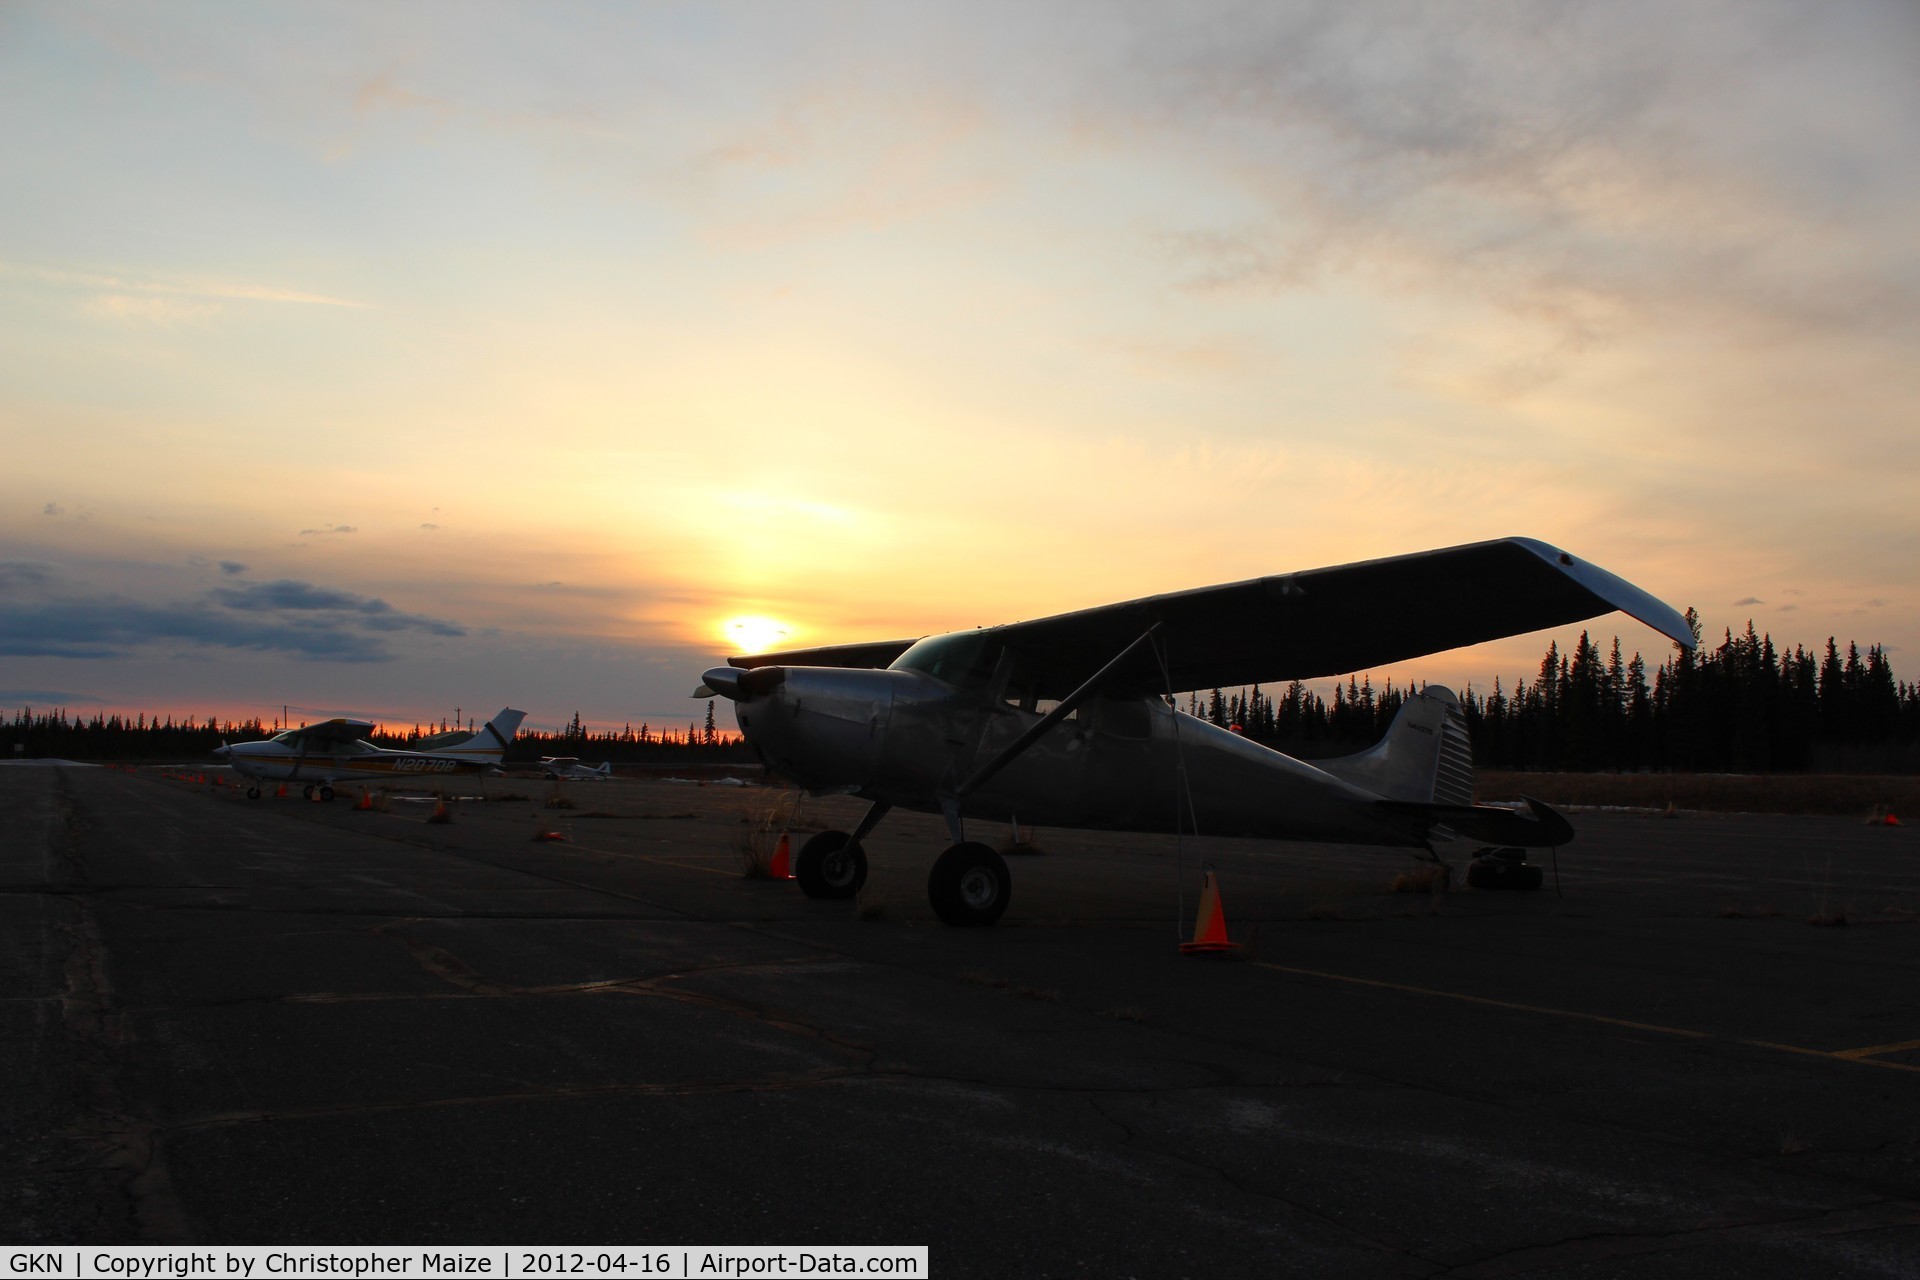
{"x":1426,"y":756}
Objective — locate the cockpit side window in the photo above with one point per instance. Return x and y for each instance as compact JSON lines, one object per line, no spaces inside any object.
{"x":963,"y":658}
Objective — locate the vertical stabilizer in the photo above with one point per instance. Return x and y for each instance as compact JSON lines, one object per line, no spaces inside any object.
{"x":490,"y":743}
{"x":1426,"y":756}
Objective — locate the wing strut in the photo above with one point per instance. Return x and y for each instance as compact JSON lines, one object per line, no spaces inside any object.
{"x":1013,"y":750}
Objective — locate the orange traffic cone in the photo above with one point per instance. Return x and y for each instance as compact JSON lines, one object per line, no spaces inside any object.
{"x":281,"y":794}
{"x":543,"y":836}
{"x":1210,"y":924}
{"x":1892,"y":821}
{"x":365,"y":802}
{"x":780,"y":869}
{"x":440,"y":812}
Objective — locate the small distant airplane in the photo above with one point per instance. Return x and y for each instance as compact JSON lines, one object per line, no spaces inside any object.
{"x":571,"y":768}
{"x":325,"y":753}
{"x":1069,"y":721}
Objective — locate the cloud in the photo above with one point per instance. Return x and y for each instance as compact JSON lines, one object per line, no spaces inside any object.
{"x":132,"y":295}
{"x":429,"y":526}
{"x":290,"y":595}
{"x":47,"y":698}
{"x":21,"y":575}
{"x":53,"y":509}
{"x":1557,"y":161}
{"x":232,"y":567}
{"x":290,"y":617}
{"x":1747,"y":600}
{"x":332,"y":528}
{"x":113,"y":627}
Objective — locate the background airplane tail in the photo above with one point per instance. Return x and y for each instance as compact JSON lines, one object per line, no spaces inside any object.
{"x":490,"y":743}
{"x":1425,"y":757}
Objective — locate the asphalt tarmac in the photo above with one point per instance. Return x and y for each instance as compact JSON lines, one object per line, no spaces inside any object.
{"x":265,"y":1022}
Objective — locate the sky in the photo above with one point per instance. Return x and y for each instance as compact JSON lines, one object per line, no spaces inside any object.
{"x":393,"y":359}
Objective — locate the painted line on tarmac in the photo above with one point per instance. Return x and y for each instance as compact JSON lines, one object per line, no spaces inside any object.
{"x":1487,"y":1000}
{"x":1874,"y":1051}
{"x":1864,"y":1057}
{"x":660,"y":861}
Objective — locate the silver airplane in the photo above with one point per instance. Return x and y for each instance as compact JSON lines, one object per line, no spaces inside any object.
{"x":564,"y":767}
{"x":1068,"y":721}
{"x":325,"y":753}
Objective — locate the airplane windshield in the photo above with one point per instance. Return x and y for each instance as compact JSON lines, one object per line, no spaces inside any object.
{"x":959,"y":658}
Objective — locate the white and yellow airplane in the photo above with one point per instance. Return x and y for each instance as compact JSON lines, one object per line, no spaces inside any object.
{"x":325,"y":753}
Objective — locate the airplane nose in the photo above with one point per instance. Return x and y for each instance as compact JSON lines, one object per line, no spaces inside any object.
{"x":741,"y":686}
{"x":221,"y":752}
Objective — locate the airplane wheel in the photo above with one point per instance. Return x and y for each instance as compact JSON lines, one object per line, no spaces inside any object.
{"x":326,"y":793}
{"x":307,"y":791}
{"x":1495,"y":872}
{"x":253,"y":793}
{"x":969,"y":885}
{"x":828,"y":868}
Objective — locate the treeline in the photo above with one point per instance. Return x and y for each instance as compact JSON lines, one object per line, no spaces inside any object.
{"x":1743,"y":707}
{"x":112,"y":736}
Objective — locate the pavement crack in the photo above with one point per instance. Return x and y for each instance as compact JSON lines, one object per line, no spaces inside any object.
{"x":1600,"y":1246}
{"x":101,"y":1040}
{"x":457,"y":973}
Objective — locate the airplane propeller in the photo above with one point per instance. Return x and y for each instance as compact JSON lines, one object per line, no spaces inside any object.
{"x":740,"y":686}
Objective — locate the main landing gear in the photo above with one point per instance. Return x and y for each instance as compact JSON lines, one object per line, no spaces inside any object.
{"x":969,"y":884}
{"x":830,"y":866}
{"x":326,"y":792}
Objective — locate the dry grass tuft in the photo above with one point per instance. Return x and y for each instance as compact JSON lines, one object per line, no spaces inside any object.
{"x":1792,"y":1146}
{"x":1324,"y":910}
{"x":1425,"y":880}
{"x":1828,"y":919}
{"x":756,"y":855}
{"x":1126,"y":1013}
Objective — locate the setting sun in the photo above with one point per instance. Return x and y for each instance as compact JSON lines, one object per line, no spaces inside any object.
{"x":756,"y":634}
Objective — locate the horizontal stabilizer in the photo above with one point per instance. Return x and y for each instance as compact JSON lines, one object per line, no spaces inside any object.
{"x":1539,"y":828}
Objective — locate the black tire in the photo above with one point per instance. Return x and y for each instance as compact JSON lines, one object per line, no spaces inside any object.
{"x":969,"y":885}
{"x":829,"y":868}
{"x":1503,"y":853}
{"x":1502,"y":873}
{"x":253,"y":793}
{"x":326,"y":793}
{"x":306,"y":792}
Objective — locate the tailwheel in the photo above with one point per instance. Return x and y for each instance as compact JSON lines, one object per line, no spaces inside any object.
{"x":969,"y":885}
{"x":253,"y":792}
{"x":326,"y":793}
{"x":830,"y":867}
{"x":1503,"y":869}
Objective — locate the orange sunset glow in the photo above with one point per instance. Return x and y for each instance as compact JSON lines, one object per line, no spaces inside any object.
{"x":344,"y":365}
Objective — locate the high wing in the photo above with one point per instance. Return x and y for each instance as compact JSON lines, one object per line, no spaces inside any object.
{"x":330,"y":733}
{"x":1309,"y":624}
{"x":873,"y":654}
